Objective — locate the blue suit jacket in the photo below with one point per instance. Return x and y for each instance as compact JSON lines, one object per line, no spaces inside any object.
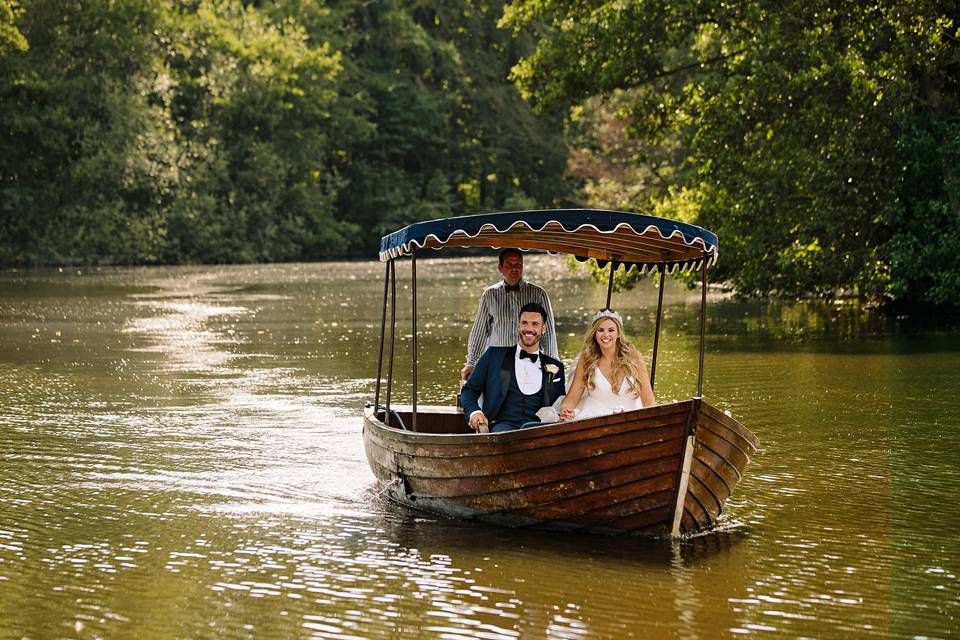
{"x":491,"y":377}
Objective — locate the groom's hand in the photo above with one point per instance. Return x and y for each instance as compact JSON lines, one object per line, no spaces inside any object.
{"x":478,"y":421}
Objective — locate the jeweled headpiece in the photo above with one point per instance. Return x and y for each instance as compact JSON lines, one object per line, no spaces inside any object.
{"x":608,"y":313}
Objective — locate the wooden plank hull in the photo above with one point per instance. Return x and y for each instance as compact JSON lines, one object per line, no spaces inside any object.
{"x":663,"y":470}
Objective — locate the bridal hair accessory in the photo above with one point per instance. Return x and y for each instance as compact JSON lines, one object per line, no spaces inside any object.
{"x":607,"y":313}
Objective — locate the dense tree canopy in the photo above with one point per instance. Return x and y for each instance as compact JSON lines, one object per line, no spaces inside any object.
{"x":151,"y":131}
{"x":818,"y":138}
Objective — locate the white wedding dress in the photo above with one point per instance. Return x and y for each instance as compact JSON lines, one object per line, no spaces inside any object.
{"x":602,"y":401}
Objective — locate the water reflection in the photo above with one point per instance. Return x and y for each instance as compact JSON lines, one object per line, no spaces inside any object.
{"x":181,"y":450}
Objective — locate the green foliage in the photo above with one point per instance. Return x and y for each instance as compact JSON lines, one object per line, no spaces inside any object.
{"x":773,"y":125}
{"x":254,"y":105}
{"x":515,"y":157}
{"x":446,"y":132}
{"x":925,"y":248}
{"x":397,"y":167}
{"x":10,"y":37}
{"x":76,"y":121}
{"x":818,"y":139}
{"x":152,"y":131}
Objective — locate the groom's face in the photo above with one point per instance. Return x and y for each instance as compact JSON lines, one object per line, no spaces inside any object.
{"x":531,"y":328}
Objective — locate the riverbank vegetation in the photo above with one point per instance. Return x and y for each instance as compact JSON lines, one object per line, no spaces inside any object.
{"x":141,"y":131}
{"x":820,"y":140}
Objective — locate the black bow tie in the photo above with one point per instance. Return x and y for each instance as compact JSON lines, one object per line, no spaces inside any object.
{"x":508,"y":287}
{"x":532,"y":357}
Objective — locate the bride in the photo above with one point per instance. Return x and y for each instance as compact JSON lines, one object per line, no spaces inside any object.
{"x":610,"y":376}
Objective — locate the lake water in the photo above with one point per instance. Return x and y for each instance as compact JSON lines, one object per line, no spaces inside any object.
{"x":181,"y":457}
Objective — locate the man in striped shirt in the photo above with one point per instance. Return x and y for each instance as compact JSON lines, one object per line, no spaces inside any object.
{"x":496,"y":321}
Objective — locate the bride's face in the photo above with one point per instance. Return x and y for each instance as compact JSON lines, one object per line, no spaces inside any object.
{"x":607,"y":334}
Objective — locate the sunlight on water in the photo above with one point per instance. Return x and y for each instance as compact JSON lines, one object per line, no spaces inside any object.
{"x":182,"y":457}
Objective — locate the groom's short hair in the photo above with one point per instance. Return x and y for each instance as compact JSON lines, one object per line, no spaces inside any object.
{"x":534,"y":307}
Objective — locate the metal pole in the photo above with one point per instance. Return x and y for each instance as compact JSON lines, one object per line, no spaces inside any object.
{"x":613,"y":267}
{"x":413,"y":304}
{"x":383,"y":330}
{"x":656,"y":332}
{"x":703,"y":325}
{"x":393,"y":335}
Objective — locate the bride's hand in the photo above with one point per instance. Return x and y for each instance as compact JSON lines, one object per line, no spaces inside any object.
{"x":567,"y":413}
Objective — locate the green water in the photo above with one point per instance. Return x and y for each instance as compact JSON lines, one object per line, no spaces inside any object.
{"x":181,"y":457}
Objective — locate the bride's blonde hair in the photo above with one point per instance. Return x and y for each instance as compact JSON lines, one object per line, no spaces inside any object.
{"x":627,"y":362}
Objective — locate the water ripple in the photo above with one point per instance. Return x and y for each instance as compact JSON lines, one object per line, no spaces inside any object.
{"x":182,"y":450}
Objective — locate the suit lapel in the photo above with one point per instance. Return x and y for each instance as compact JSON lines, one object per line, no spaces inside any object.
{"x":551,"y":390}
{"x":546,"y":383}
{"x":506,"y":373}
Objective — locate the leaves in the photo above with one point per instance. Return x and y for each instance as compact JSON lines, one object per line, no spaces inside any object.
{"x":773,"y":125}
{"x":227,"y":131}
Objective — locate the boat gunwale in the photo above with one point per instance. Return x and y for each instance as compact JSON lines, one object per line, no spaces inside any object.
{"x":508,"y":437}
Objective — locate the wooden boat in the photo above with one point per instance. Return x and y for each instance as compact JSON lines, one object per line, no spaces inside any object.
{"x":662,"y":470}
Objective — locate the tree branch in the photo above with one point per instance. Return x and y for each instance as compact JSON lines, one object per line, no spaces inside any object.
{"x":686,"y":67}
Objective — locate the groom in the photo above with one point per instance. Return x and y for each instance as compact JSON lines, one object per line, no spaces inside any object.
{"x":515,"y":381}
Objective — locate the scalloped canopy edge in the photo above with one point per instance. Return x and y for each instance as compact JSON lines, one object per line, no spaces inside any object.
{"x":633,"y":240}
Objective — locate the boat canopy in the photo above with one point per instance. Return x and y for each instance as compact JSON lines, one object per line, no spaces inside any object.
{"x":629,"y":239}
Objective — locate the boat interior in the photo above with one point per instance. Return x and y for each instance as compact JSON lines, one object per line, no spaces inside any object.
{"x":430,"y":419}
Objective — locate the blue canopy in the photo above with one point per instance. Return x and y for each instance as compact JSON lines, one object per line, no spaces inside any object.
{"x":631,"y":239}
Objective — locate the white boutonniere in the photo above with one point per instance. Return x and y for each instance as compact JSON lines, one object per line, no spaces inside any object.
{"x":551,"y":368}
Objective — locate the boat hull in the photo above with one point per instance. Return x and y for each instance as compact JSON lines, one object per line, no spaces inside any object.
{"x":664,"y":470}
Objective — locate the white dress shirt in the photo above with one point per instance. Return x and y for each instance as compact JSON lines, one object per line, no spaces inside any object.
{"x":529,"y":374}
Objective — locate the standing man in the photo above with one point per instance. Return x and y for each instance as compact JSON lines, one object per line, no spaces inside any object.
{"x":496,"y":321}
{"x":515,"y":381}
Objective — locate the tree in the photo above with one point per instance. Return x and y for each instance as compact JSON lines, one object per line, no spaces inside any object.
{"x":229,"y":131}
{"x":138,"y":131}
{"x":514,"y":158}
{"x":82,"y":169}
{"x":254,"y":108}
{"x":10,"y":37}
{"x":437,"y":127}
{"x":785,"y":114}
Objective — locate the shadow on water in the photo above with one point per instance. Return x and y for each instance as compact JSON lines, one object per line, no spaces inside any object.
{"x":429,"y":532}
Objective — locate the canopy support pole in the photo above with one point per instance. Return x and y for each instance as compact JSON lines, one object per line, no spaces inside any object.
{"x":703,"y":326}
{"x":393,"y":335}
{"x":613,"y":268}
{"x":383,"y":333}
{"x":413,"y":304}
{"x":662,"y":268}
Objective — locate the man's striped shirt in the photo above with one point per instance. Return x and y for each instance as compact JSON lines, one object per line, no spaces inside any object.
{"x":498,"y":319}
